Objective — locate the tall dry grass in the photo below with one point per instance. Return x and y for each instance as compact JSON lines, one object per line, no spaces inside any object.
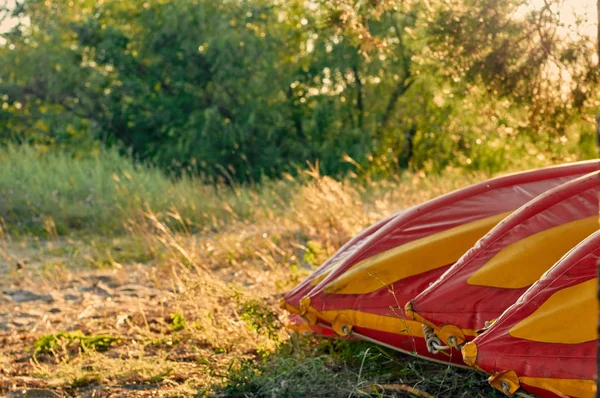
{"x":229,"y":280}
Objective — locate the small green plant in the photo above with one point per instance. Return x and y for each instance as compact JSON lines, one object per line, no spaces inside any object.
{"x":178,"y":322}
{"x":50,"y":342}
{"x":262,"y":320}
{"x":313,"y":253}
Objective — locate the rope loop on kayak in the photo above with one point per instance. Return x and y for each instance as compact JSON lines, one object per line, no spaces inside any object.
{"x":434,"y":345}
{"x":506,"y":390}
{"x":524,"y":394}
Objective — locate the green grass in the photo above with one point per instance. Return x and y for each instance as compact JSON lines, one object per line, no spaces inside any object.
{"x":52,"y":342}
{"x":50,"y":192}
{"x":312,"y":367}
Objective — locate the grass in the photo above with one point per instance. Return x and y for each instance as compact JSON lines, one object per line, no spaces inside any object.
{"x":309,"y":367}
{"x":54,"y":193}
{"x":50,"y":193}
{"x":52,"y":342}
{"x":213,"y":262}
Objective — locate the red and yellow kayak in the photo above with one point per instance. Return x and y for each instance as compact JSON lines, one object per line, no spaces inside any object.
{"x":546,"y":342}
{"x":491,"y":276}
{"x":362,"y":289}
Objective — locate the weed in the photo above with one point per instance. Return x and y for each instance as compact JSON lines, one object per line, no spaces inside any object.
{"x":49,"y":343}
{"x":178,"y":322}
{"x":261,"y":319}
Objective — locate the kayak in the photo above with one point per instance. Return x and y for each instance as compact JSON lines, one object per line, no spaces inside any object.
{"x":362,"y":289}
{"x":491,"y":276}
{"x":546,"y":342}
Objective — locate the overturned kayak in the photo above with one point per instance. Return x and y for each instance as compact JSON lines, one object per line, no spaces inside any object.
{"x":546,"y":343}
{"x":507,"y":261}
{"x":362,"y":290}
{"x":291,"y":301}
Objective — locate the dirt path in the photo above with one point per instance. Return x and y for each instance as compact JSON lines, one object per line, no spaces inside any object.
{"x":103,"y":319}
{"x":128,"y":303}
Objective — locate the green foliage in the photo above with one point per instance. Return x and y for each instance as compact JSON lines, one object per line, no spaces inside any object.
{"x":50,"y":343}
{"x":262,"y":320}
{"x":314,"y":253}
{"x":235,"y":91}
{"x":178,"y":322}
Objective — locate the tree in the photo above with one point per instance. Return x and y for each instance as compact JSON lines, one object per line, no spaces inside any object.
{"x":239,"y":90}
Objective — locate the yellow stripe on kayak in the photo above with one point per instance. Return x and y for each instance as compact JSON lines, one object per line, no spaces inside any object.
{"x":285,"y":306}
{"x":578,"y":388}
{"x":413,"y":258}
{"x":383,"y":323}
{"x":522,"y":263}
{"x":318,"y":279}
{"x":569,"y":316}
{"x":571,"y":387}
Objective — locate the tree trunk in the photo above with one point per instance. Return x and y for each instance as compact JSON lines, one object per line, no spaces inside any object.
{"x":389,"y":110}
{"x":404,"y":160}
{"x":359,"y":97}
